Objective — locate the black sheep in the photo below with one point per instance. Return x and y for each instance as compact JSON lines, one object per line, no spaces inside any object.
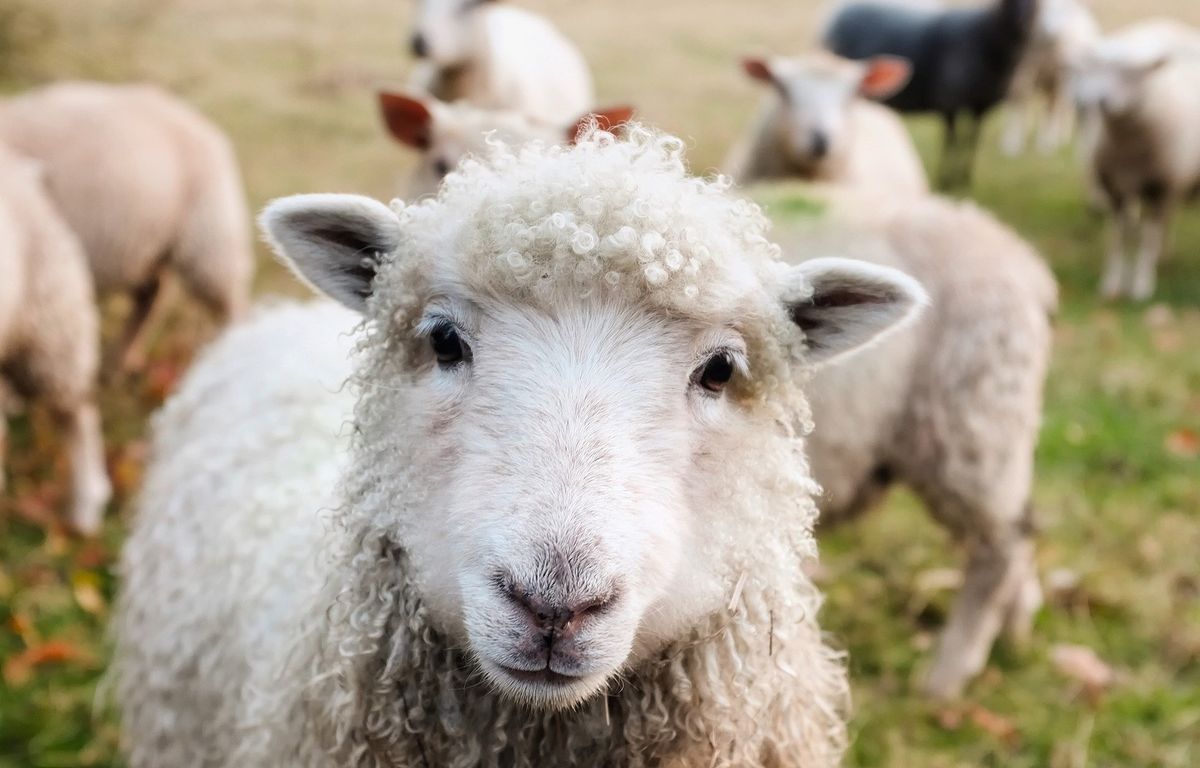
{"x":963,"y":61}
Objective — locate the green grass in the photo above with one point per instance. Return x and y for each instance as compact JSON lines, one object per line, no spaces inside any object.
{"x":1118,"y":494}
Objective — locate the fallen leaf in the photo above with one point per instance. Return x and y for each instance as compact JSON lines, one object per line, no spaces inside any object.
{"x":995,"y":725}
{"x":1083,"y":665}
{"x":85,"y":585}
{"x":125,"y":467}
{"x":19,"y":669}
{"x":1183,"y":443}
{"x":161,"y":378}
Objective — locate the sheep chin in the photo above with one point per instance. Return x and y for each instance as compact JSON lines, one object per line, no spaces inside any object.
{"x":546,"y":690}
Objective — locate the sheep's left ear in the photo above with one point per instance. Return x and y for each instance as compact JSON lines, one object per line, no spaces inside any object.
{"x":334,"y":243}
{"x":843,"y":304}
{"x":606,"y":119}
{"x":884,"y":77}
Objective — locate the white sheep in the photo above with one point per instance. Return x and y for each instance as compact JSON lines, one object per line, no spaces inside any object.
{"x":1143,"y":86}
{"x":1040,"y":93}
{"x":559,"y":516}
{"x":818,"y":125}
{"x":49,"y":332}
{"x":149,"y":186}
{"x":446,"y":133}
{"x":951,"y":408}
{"x":499,"y":57}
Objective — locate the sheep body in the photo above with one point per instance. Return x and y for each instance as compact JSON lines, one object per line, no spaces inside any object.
{"x":963,"y":61}
{"x":510,"y":59}
{"x":862,"y":144}
{"x":147,"y":184}
{"x":340,"y":641}
{"x":1143,"y":87}
{"x":952,"y":409}
{"x":49,"y":332}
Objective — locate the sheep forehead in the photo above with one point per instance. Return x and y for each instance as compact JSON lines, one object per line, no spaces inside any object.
{"x":603,"y":219}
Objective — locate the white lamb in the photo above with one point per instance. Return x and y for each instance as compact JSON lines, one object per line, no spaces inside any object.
{"x":559,"y":516}
{"x":446,"y":133}
{"x":499,"y":57}
{"x":951,"y":408}
{"x":49,"y":332}
{"x":1041,"y":88}
{"x":149,"y":186}
{"x":1143,"y":86}
{"x":818,"y":125}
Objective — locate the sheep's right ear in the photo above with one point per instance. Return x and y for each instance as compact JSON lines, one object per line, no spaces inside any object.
{"x":884,"y":77}
{"x":408,"y":119}
{"x":844,"y":304}
{"x":334,"y":243}
{"x":758,"y":69}
{"x":606,"y":119}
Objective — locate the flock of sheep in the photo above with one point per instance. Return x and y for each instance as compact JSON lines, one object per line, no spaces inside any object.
{"x":537,"y":483}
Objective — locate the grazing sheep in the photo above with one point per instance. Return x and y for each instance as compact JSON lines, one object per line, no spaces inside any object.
{"x":816,"y":127}
{"x":499,"y":57}
{"x":1143,"y":86}
{"x":49,"y":333}
{"x":1064,"y":30}
{"x":559,"y":517}
{"x":446,"y":133}
{"x":951,"y":408}
{"x":963,"y":61}
{"x":148,"y":185}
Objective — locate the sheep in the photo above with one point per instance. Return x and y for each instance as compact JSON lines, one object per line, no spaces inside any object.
{"x":499,"y":57}
{"x":49,"y":331}
{"x":558,"y":516}
{"x":951,"y":409}
{"x":446,"y":133}
{"x":816,"y":127}
{"x":1143,"y":88}
{"x":963,"y":61}
{"x":1064,"y":30}
{"x":149,"y":187}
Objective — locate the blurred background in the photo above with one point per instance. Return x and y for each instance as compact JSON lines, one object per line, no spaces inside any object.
{"x":1112,"y":676}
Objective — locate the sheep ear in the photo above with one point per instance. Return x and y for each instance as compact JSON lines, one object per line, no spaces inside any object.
{"x":606,"y":119}
{"x":332,"y":242}
{"x":843,"y":304}
{"x":758,"y":69}
{"x":884,"y":77}
{"x":408,"y":119}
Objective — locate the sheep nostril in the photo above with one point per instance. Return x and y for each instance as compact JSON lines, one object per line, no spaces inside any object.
{"x":419,"y":46}
{"x":550,"y":616}
{"x":820,"y":144}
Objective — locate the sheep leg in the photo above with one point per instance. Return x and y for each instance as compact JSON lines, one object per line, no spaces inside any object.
{"x":130,"y":351}
{"x":1059,"y":121}
{"x":1120,"y":230}
{"x":90,"y":487}
{"x":997,"y":574}
{"x":1155,"y":220}
{"x":949,"y":150}
{"x":3,"y":440}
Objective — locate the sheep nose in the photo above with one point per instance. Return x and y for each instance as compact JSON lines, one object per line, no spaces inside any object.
{"x":820,"y":144}
{"x":419,"y":46}
{"x":553,"y":617}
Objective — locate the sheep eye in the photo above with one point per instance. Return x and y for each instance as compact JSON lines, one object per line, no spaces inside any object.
{"x":441,"y":167}
{"x":716,"y":373}
{"x":448,"y":346}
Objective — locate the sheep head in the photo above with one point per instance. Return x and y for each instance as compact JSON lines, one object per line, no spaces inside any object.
{"x":445,"y":30}
{"x":580,"y":400}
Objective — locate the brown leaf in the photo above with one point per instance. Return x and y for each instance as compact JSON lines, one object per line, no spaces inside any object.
{"x":1183,"y":443}
{"x":125,"y":467}
{"x":162,"y":377}
{"x":19,"y":669}
{"x":1083,"y":665}
{"x":997,"y":726}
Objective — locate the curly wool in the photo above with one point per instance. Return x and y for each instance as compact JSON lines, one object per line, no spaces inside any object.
{"x":363,"y":675}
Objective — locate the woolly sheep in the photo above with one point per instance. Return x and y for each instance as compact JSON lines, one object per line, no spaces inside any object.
{"x":816,"y":127}
{"x":446,"y":133}
{"x":1143,"y":86}
{"x":963,"y":62}
{"x":499,"y":57}
{"x":148,"y":185}
{"x":1040,"y":90}
{"x":558,"y":518}
{"x":49,"y":332}
{"x":950,"y":408}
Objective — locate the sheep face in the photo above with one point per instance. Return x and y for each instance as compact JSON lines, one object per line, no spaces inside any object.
{"x":580,"y":463}
{"x":1111,"y":81}
{"x":444,"y":30}
{"x":816,"y":93}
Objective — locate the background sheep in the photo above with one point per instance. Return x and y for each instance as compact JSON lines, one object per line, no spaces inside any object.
{"x":963,"y":61}
{"x":554,"y":310}
{"x":446,"y":133}
{"x":816,"y":127}
{"x":1143,"y":85}
{"x":148,"y":185}
{"x":499,"y":57}
{"x":1041,"y":92}
{"x":49,"y":334}
{"x":952,"y":408}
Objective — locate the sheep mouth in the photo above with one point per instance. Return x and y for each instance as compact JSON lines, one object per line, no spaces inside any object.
{"x":545,"y":676}
{"x":543,"y":688}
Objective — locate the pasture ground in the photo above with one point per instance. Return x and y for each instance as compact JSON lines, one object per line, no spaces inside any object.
{"x":1118,"y":489}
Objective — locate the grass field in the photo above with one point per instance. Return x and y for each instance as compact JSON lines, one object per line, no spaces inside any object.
{"x":1118,"y":489}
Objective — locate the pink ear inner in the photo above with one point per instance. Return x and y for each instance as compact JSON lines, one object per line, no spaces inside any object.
{"x":885,"y":76}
